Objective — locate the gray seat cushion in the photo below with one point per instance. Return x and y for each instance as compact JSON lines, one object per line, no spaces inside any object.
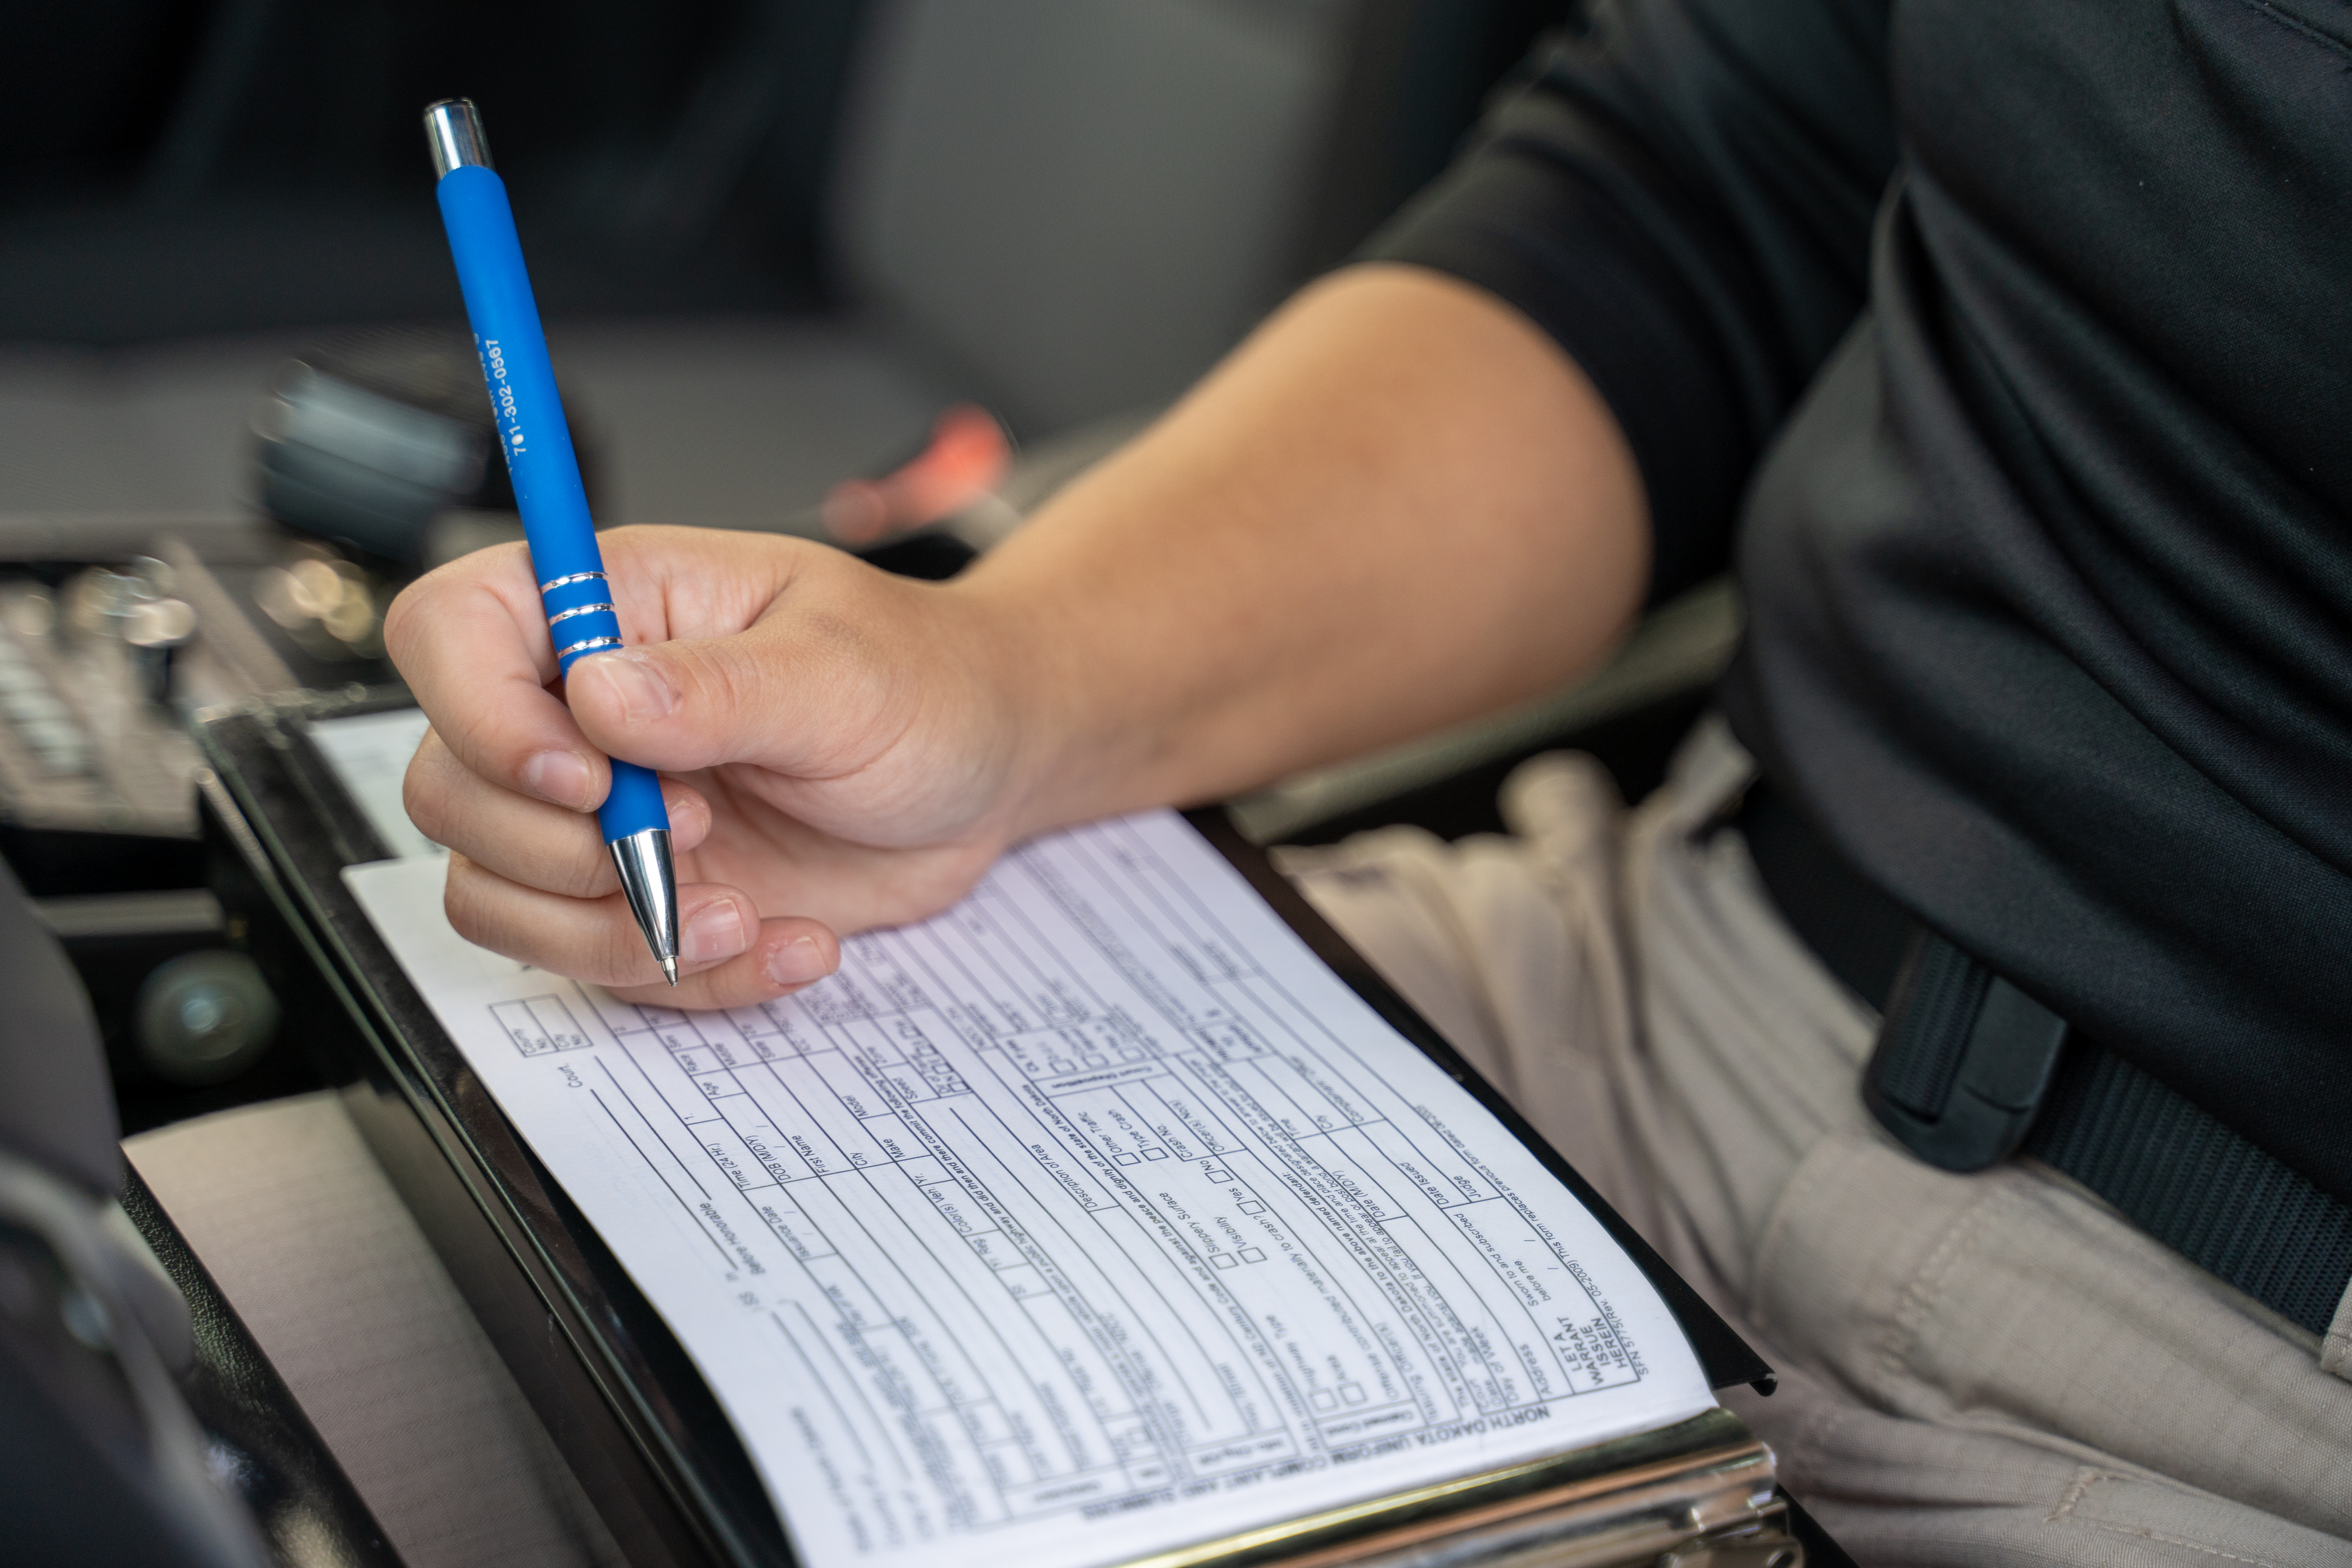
{"x":1086,"y":200}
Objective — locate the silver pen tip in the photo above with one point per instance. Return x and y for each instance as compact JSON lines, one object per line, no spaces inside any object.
{"x":669,"y":969}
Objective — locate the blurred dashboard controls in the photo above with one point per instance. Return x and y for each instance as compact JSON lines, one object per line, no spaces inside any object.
{"x":85,"y":742}
{"x":332,"y":608}
{"x":103,"y":659}
{"x":203,"y":1017}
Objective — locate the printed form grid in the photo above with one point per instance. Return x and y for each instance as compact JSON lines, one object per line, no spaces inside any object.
{"x":1090,"y":1218}
{"x":1222,"y":1132}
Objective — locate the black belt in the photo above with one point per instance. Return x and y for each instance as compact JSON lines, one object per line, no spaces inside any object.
{"x":1969,"y":1070}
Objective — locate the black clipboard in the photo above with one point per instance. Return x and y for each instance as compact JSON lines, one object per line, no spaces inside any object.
{"x":623,"y":1402}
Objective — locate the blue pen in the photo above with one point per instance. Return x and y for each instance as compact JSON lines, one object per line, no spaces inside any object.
{"x":538,"y":446}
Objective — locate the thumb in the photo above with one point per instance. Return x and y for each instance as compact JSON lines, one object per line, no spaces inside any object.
{"x":683,"y":705}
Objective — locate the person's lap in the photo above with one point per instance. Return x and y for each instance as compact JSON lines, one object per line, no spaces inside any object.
{"x":1973,"y":1368}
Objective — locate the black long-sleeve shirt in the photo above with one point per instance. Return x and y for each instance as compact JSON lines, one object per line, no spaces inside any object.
{"x":2006,"y":346}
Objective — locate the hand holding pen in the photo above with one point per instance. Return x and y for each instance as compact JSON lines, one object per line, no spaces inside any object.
{"x":766,"y":678}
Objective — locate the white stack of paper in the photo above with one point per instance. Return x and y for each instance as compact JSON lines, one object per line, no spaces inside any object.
{"x":1093,"y":1218}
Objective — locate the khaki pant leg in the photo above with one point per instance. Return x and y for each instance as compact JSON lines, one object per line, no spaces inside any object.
{"x":1975,"y":1369}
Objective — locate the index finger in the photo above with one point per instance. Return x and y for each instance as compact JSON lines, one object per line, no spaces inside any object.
{"x":471,"y":641}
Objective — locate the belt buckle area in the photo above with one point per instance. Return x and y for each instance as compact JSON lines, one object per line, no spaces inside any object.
{"x":1963,"y":1060}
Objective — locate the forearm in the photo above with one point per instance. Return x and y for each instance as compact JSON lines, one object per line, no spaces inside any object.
{"x":1397,"y":505}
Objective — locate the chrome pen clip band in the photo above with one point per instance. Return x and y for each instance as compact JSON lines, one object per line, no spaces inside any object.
{"x":590,"y":645}
{"x":552,"y":583}
{"x":453,"y":129}
{"x":581,"y":610}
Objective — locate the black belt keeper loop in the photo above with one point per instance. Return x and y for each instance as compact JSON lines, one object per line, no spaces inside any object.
{"x":1963,"y":1060}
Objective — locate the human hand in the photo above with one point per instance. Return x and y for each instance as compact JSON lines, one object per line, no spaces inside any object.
{"x":838,"y":747}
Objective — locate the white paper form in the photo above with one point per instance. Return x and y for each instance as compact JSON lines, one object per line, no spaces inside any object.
{"x":369,"y":753}
{"x":1094,"y":1217}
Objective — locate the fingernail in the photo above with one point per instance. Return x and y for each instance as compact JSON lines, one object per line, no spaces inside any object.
{"x":797,"y":962}
{"x":635,"y":683}
{"x":559,"y":776}
{"x":712,"y":932}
